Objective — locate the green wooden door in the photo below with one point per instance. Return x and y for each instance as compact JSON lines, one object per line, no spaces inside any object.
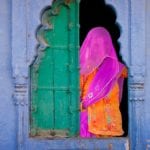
{"x":55,"y":73}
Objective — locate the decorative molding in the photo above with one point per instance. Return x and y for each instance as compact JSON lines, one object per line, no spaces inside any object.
{"x":20,"y":94}
{"x":136,"y":83}
{"x":47,"y":25}
{"x":39,"y":25}
{"x":25,"y":20}
{"x":136,"y":99}
{"x":136,"y":86}
{"x":137,"y":65}
{"x":137,"y":70}
{"x":136,"y":91}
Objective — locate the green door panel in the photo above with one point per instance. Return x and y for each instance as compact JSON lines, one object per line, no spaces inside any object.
{"x":55,"y":73}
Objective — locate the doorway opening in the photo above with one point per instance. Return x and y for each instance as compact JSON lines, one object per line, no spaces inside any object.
{"x":96,"y":13}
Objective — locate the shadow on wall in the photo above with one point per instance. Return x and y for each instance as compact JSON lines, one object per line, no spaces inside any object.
{"x":96,"y":13}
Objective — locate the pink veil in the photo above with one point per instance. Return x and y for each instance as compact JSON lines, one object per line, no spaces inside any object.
{"x":95,"y":48}
{"x":97,"y":52}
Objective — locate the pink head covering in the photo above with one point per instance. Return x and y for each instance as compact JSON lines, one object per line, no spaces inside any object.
{"x":95,"y":48}
{"x":97,"y":52}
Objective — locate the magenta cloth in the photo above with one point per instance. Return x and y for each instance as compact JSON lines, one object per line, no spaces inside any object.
{"x":97,"y":52}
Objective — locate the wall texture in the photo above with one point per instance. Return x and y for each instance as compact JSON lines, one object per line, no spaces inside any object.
{"x":19,"y":20}
{"x":147,"y":79}
{"x":7,"y":107}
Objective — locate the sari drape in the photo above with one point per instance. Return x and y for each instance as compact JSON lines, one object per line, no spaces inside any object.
{"x":101,"y":79}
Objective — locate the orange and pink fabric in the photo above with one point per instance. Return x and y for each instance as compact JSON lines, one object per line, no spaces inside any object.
{"x":101,"y":83}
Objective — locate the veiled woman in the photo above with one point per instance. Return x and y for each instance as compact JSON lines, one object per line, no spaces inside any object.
{"x":101,"y":80}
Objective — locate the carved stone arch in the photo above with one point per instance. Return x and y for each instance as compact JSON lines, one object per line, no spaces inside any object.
{"x":46,"y":24}
{"x":24,"y":25}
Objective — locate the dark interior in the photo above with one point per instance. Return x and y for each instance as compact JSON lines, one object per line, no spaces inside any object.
{"x":96,"y":13}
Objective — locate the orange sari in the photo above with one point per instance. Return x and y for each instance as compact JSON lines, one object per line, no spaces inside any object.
{"x":104,"y":117}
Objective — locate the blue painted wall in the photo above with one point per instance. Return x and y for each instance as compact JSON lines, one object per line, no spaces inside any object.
{"x":147,"y":79}
{"x":7,"y":108}
{"x":22,"y":17}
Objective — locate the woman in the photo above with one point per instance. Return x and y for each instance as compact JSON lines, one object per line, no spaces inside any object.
{"x":101,"y":80}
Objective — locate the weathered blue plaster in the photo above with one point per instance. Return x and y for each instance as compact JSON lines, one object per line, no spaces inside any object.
{"x":123,"y":13}
{"x":80,"y":144}
{"x":131,"y":17}
{"x":132,"y":48}
{"x":34,"y":11}
{"x":147,"y":79}
{"x":7,"y":108}
{"x":30,"y":20}
{"x":17,"y":51}
{"x":137,"y":74}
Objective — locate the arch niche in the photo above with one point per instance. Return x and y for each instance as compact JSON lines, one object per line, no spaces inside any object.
{"x":29,"y":57}
{"x":53,"y":99}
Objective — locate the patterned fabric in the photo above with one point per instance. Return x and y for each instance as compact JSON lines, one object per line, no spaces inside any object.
{"x":101,"y":86}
